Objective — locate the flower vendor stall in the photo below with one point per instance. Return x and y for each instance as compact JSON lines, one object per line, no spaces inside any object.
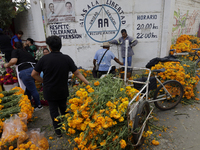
{"x":98,"y":119}
{"x":15,"y":112}
{"x":8,"y":78}
{"x":98,"y":111}
{"x":187,"y":76}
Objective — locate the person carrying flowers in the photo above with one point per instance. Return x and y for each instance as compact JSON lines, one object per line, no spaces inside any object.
{"x":56,"y":67}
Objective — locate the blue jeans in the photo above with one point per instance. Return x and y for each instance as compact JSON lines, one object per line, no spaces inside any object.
{"x":29,"y":82}
{"x":129,"y":60}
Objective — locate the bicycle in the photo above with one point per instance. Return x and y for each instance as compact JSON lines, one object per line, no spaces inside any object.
{"x":166,"y":96}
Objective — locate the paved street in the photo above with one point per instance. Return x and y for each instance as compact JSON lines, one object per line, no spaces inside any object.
{"x":182,"y":133}
{"x":183,"y":128}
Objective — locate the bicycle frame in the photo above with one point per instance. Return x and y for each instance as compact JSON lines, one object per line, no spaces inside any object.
{"x":152,"y":100}
{"x":132,"y":107}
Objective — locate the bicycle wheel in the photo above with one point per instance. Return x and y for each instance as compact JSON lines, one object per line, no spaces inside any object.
{"x":197,"y":71}
{"x":140,"y":117}
{"x":175,"y":89}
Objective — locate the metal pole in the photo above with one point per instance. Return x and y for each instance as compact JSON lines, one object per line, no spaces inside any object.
{"x":126,"y":54}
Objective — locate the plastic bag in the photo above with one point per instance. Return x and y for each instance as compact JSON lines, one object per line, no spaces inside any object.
{"x":38,"y":139}
{"x":13,"y":132}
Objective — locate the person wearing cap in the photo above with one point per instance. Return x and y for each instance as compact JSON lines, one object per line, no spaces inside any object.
{"x":32,"y":47}
{"x":106,"y":61}
{"x":121,"y":41}
{"x":16,"y":38}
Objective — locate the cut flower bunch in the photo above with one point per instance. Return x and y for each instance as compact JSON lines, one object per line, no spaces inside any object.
{"x":14,"y":102}
{"x":98,"y":119}
{"x":9,"y":77}
{"x":176,"y":71}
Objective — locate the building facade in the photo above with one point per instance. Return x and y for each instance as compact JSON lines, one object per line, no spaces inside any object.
{"x":85,"y":25}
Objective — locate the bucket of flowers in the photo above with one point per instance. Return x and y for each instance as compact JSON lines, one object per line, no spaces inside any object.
{"x":8,"y":79}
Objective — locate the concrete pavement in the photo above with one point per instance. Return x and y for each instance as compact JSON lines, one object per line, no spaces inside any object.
{"x":183,"y":123}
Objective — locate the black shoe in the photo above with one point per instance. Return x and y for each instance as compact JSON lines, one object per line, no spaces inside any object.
{"x":58,"y":133}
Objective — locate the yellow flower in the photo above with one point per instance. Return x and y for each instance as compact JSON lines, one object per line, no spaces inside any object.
{"x":103,"y":143}
{"x":116,"y":137}
{"x":1,"y":95}
{"x":154,"y":142}
{"x":88,"y":86}
{"x":83,"y":126}
{"x":50,"y":138}
{"x":128,"y":88}
{"x":11,"y":148}
{"x":90,"y":90}
{"x":123,"y":144}
{"x":55,"y":119}
{"x":121,"y":89}
{"x":96,"y":83}
{"x":71,"y":131}
{"x":92,"y":125}
{"x":121,"y":119}
{"x":84,"y":94}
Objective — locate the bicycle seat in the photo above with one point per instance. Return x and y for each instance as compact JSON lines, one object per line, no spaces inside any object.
{"x":196,"y":49}
{"x":159,"y":70}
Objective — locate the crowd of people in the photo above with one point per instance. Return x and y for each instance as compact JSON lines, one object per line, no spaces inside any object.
{"x":103,"y":56}
{"x":53,"y":68}
{"x":48,"y":70}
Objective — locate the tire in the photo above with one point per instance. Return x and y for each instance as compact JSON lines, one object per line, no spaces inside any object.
{"x":175,"y":88}
{"x":197,"y":71}
{"x":141,"y":115}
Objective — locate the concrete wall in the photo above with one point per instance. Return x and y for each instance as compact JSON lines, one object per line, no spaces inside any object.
{"x":186,"y":18}
{"x":154,"y":23}
{"x":148,"y":18}
{"x":142,"y":19}
{"x":31,"y":23}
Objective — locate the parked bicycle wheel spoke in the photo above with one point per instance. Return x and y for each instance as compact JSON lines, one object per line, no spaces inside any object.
{"x":140,"y":117}
{"x":168,"y":95}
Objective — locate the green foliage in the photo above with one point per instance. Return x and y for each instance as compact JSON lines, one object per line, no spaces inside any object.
{"x":9,"y":10}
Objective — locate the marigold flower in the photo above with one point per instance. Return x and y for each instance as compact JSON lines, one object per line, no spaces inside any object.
{"x":1,"y":95}
{"x":11,"y":148}
{"x":96,"y":83}
{"x":116,"y":137}
{"x":154,"y":142}
{"x":121,"y":89}
{"x":123,"y":144}
{"x":121,"y":119}
{"x":71,"y":131}
{"x":55,"y":119}
{"x":88,"y":86}
{"x":103,"y":143}
{"x":92,"y":125}
{"x":90,"y":90}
